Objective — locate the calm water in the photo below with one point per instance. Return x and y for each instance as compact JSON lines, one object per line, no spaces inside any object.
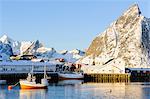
{"x":79,"y":90}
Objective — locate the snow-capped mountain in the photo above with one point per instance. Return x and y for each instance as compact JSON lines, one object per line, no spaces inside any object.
{"x":15,"y":45}
{"x":5,"y":51}
{"x":44,"y":52}
{"x":77,"y":54}
{"x":51,"y":53}
{"x":126,"y":42}
{"x":30,"y":48}
{"x":63,"y":52}
{"x":76,"y":51}
{"x":11,"y":47}
{"x":70,"y":56}
{"x":24,"y":47}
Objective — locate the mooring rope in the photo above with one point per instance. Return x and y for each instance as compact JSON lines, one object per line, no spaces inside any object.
{"x":16,"y":84}
{"x":11,"y":86}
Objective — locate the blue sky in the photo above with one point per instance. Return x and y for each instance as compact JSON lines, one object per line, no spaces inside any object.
{"x":62,"y":24}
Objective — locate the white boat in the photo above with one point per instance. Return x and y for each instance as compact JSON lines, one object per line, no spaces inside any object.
{"x":70,"y":75}
{"x":30,"y":82}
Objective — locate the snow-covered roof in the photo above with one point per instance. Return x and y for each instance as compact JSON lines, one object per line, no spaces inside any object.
{"x":141,"y":69}
{"x":23,"y":62}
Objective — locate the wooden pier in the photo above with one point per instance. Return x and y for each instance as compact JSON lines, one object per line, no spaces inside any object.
{"x":107,"y":77}
{"x":93,"y":77}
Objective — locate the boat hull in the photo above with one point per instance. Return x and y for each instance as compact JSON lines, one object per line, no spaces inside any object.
{"x":63,"y":76}
{"x":31,"y":85}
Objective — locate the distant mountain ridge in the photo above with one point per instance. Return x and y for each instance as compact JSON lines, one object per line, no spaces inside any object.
{"x":10,"y":47}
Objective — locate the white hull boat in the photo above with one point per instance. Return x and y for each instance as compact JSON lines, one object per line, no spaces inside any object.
{"x":72,"y":75}
{"x":25,"y":84}
{"x":30,"y":82}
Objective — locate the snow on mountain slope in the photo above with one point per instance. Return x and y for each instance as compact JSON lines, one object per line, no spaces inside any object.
{"x":30,"y":48}
{"x":44,"y":52}
{"x":63,"y":52}
{"x":12,"y":47}
{"x":77,"y":54}
{"x":5,"y":51}
{"x":14,"y":44}
{"x":126,"y":42}
{"x":24,"y":46}
{"x":69,"y":56}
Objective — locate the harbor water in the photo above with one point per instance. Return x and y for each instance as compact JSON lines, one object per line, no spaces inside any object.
{"x":77,"y":89}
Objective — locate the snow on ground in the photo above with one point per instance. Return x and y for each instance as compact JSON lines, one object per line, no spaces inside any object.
{"x":25,"y":62}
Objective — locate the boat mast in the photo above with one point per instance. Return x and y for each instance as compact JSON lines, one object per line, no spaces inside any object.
{"x":45,"y":71}
{"x":32,"y":70}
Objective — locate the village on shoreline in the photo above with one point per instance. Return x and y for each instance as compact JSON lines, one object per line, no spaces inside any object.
{"x":121,"y":52}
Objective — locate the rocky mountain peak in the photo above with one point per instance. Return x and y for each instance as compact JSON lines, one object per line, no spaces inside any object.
{"x":124,"y":43}
{"x":132,"y":10}
{"x":15,"y":45}
{"x":5,"y":39}
{"x":4,"y":36}
{"x":129,"y":18}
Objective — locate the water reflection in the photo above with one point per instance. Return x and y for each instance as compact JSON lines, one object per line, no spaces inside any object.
{"x":2,"y":94}
{"x":33,"y":94}
{"x":76,"y":89}
{"x":69,"y":82}
{"x":117,"y":90}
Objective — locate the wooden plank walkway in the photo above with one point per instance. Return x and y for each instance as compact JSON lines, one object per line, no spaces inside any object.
{"x":107,"y":77}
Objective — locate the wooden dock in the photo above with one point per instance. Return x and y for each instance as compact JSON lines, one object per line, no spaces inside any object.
{"x":107,"y":77}
{"x":93,"y":77}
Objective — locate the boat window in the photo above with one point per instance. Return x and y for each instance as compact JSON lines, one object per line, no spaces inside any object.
{"x":4,"y":69}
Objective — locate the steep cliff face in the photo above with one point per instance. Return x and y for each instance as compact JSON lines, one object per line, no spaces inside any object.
{"x":29,"y":48}
{"x":5,"y":51}
{"x":125,"y":42}
{"x":15,"y":45}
